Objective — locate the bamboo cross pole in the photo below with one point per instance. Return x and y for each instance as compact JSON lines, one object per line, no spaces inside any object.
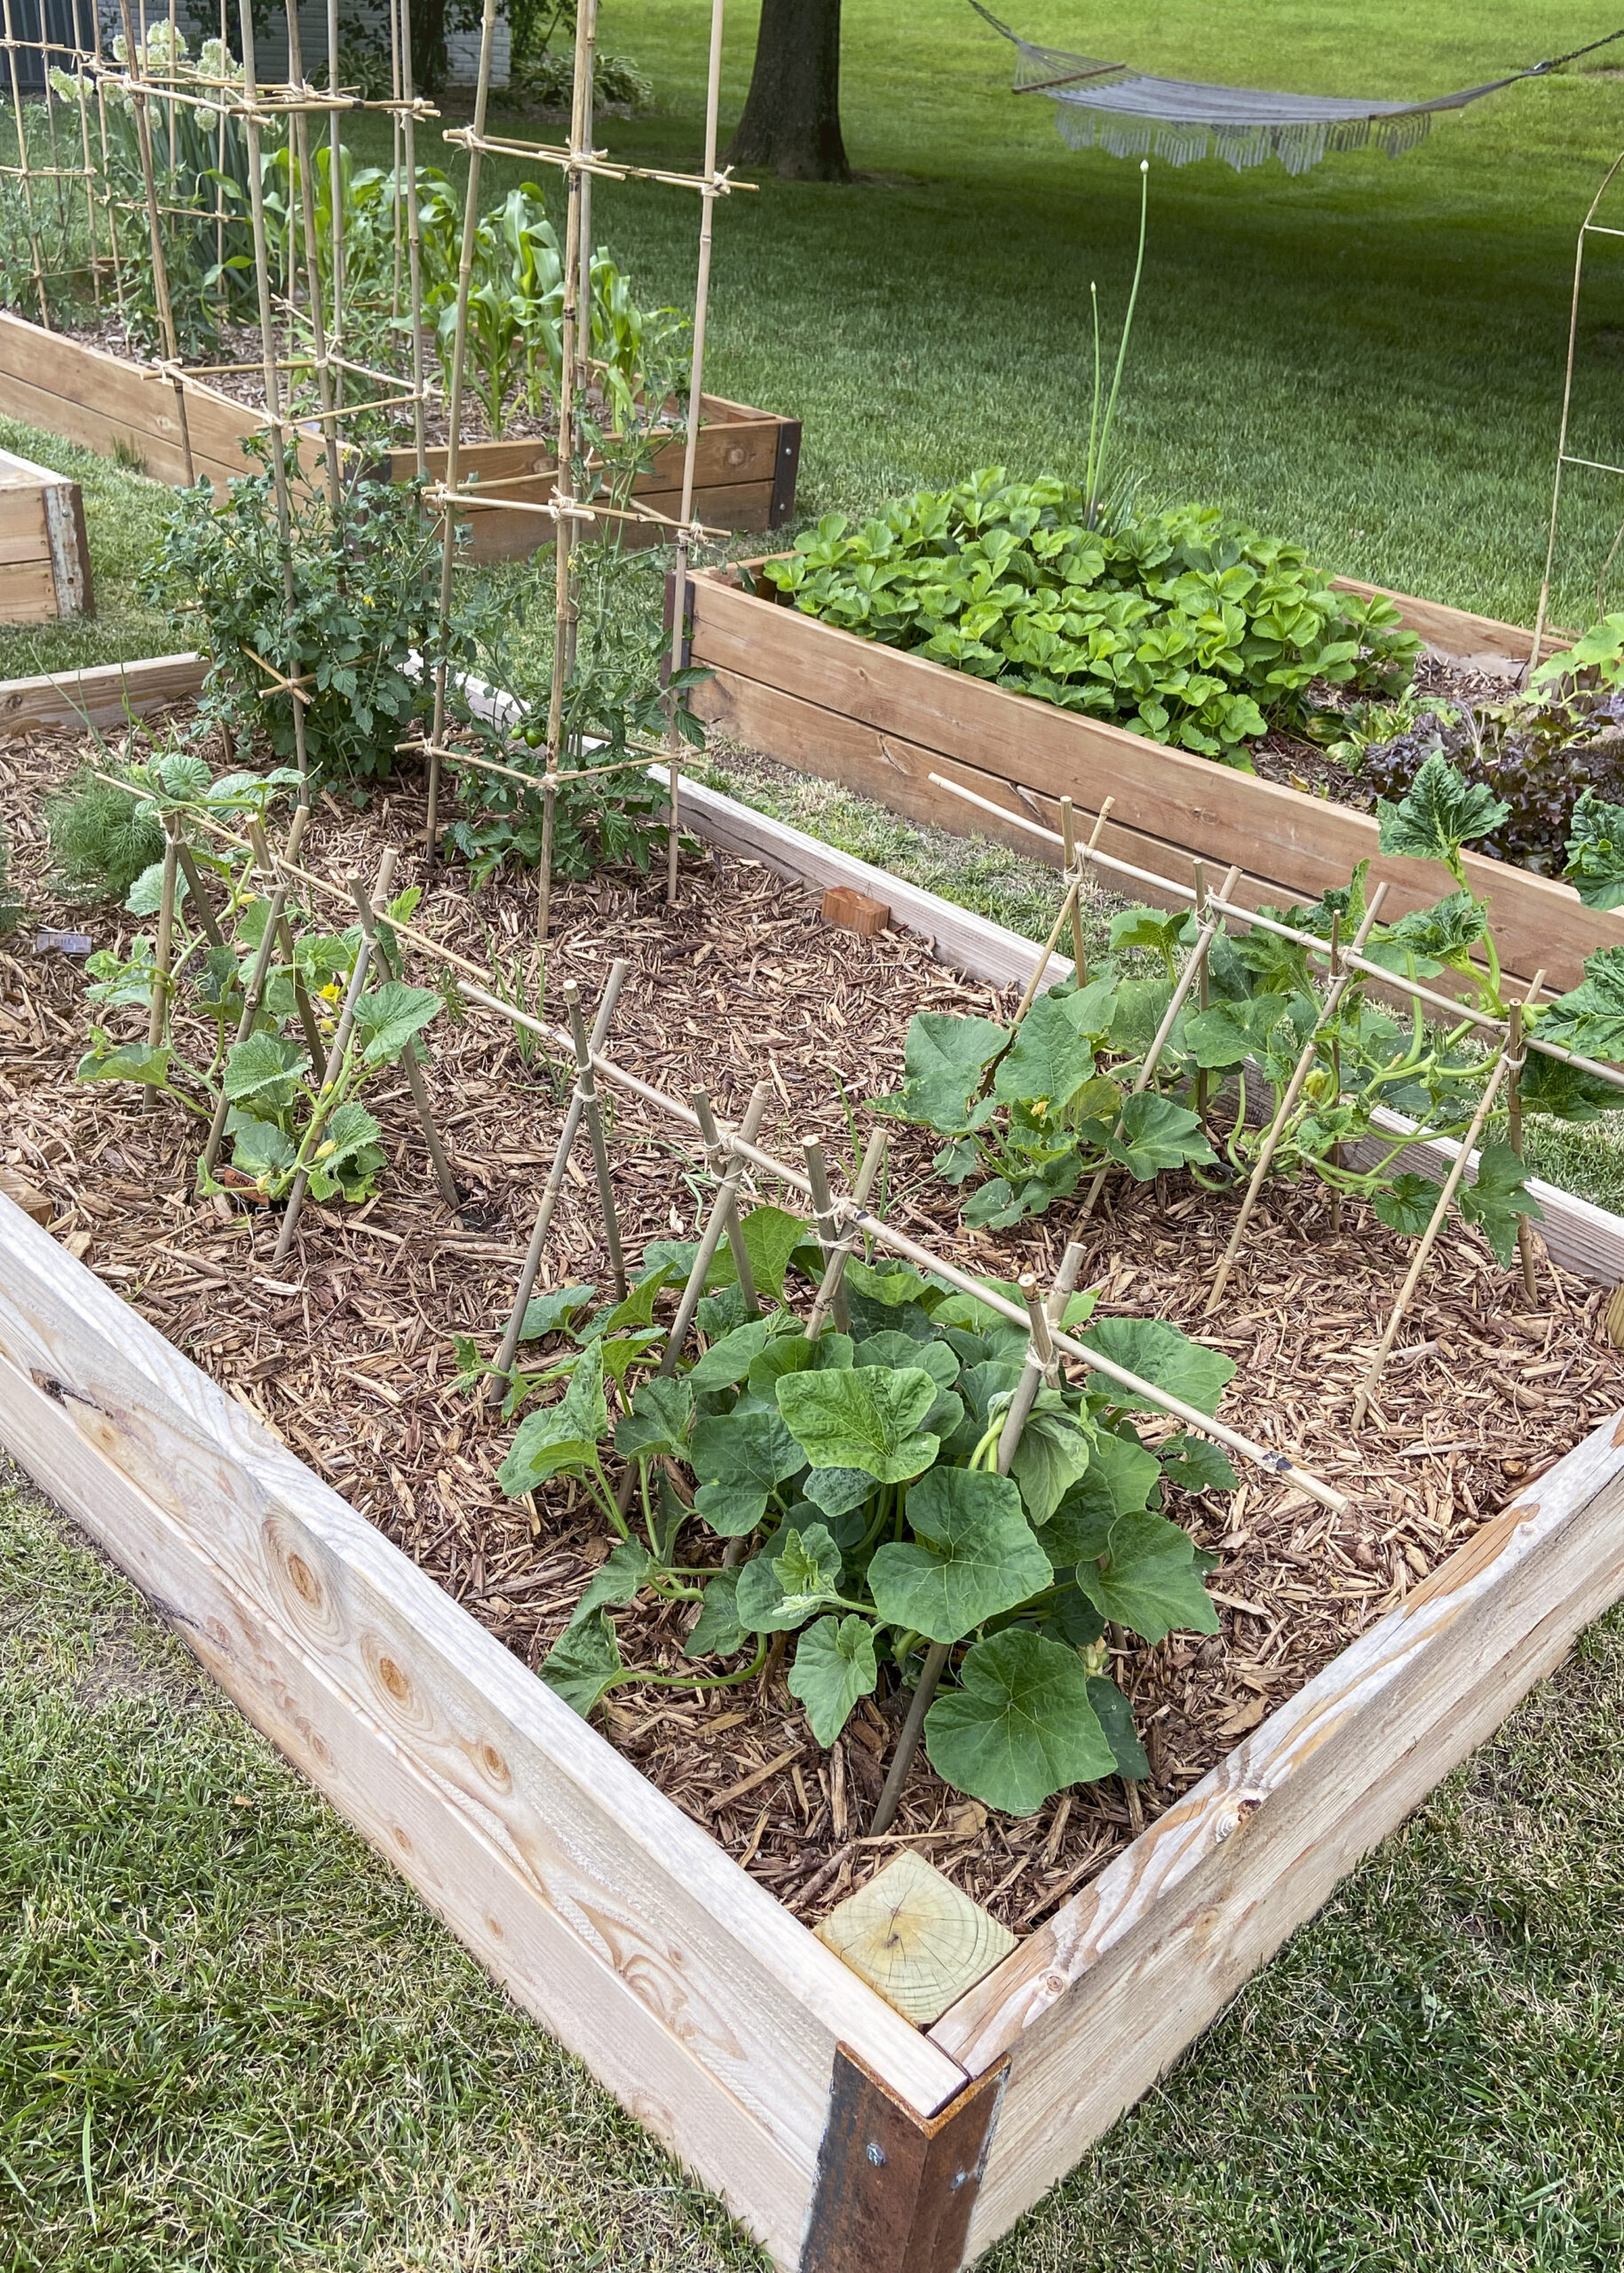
{"x":512,"y":1332}
{"x":1293,"y":1091}
{"x":478,"y":986}
{"x":253,"y":994}
{"x":454,"y":429}
{"x":1041,"y":1365}
{"x":412,"y":1064}
{"x":723,"y":1208}
{"x":333,"y":1076}
{"x":716,"y":1161}
{"x":835,"y":1268}
{"x":1452,"y":1183}
{"x":828,"y":1228}
{"x":1187,"y":979}
{"x":279,"y":870}
{"x":696,"y":374}
{"x":1069,"y":914}
{"x":593,"y":1114}
{"x":1516,"y":1055}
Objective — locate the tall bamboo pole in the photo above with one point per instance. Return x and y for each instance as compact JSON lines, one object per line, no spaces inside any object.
{"x":267,"y":346}
{"x":1452,"y":1183}
{"x":407,"y":121}
{"x":454,"y":435}
{"x":23,"y":167}
{"x":303,"y":173}
{"x":696,"y":378}
{"x":159,"y":266}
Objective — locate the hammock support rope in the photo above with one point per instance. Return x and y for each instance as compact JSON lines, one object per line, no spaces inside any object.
{"x":1104,"y":105}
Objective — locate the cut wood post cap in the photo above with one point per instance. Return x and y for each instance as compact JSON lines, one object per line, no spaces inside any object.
{"x":911,"y":1935}
{"x":851,"y":910}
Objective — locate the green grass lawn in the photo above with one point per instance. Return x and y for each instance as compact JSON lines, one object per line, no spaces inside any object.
{"x":230,"y":2039}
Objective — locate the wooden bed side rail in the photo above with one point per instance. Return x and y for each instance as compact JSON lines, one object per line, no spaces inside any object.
{"x":712,"y":2013}
{"x":1099,"y":2002}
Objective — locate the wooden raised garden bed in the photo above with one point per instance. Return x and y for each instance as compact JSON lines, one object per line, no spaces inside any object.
{"x":745,"y":477}
{"x":44,"y":559}
{"x":882,"y":721}
{"x":845,"y":2136}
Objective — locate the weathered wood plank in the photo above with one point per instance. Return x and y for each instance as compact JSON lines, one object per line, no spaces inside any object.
{"x":1456,"y":631}
{"x":1305,"y":843}
{"x":1097,"y":2004}
{"x":102,"y":695}
{"x":465,"y":1875}
{"x":715,"y":1961}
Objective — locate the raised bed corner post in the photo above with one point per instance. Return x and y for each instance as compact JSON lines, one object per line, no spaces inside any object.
{"x":454,"y":429}
{"x":1342,"y":979}
{"x":710,"y":189}
{"x":496,"y":1386}
{"x":1451,"y":1186}
{"x":895,"y":2189}
{"x":267,"y":347}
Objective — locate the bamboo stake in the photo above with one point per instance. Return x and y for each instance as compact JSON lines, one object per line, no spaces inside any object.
{"x":194,"y":894}
{"x":715,"y":1160}
{"x":583,"y":282}
{"x":273,"y":376}
{"x":454,"y":431}
{"x":563,"y":473}
{"x":1199,"y":869}
{"x":828,"y":1229}
{"x":25,"y":170}
{"x":696,"y":372}
{"x":1040,"y":1362}
{"x":1293,"y":1091}
{"x":1517,"y":1054}
{"x":1335,"y":972}
{"x":406,"y":119}
{"x":413,"y":1067}
{"x":722,"y":1210}
{"x":159,"y":268}
{"x":833,"y":1271}
{"x":1068,"y":913}
{"x":594,"y":1131}
{"x":306,"y":195}
{"x":336,"y":190}
{"x":1187,"y":979}
{"x":253,"y":992}
{"x":511,"y":1332}
{"x":478,"y":986}
{"x":157,"y":1017}
{"x":1486,"y":1106}
{"x":273,"y":869}
{"x":335,"y":1072}
{"x":1068,"y":840}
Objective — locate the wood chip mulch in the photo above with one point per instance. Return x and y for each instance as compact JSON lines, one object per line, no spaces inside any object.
{"x":345,"y":1351}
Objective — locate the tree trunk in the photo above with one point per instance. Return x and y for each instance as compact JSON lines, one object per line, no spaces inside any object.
{"x":791,"y":118}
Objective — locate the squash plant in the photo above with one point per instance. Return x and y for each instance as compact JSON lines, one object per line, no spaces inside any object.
{"x":1185,"y":625}
{"x":860,"y":1470}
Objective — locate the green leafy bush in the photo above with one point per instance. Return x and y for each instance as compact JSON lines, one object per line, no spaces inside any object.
{"x":362,"y":633}
{"x":1185,"y":625}
{"x":861,"y":1469}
